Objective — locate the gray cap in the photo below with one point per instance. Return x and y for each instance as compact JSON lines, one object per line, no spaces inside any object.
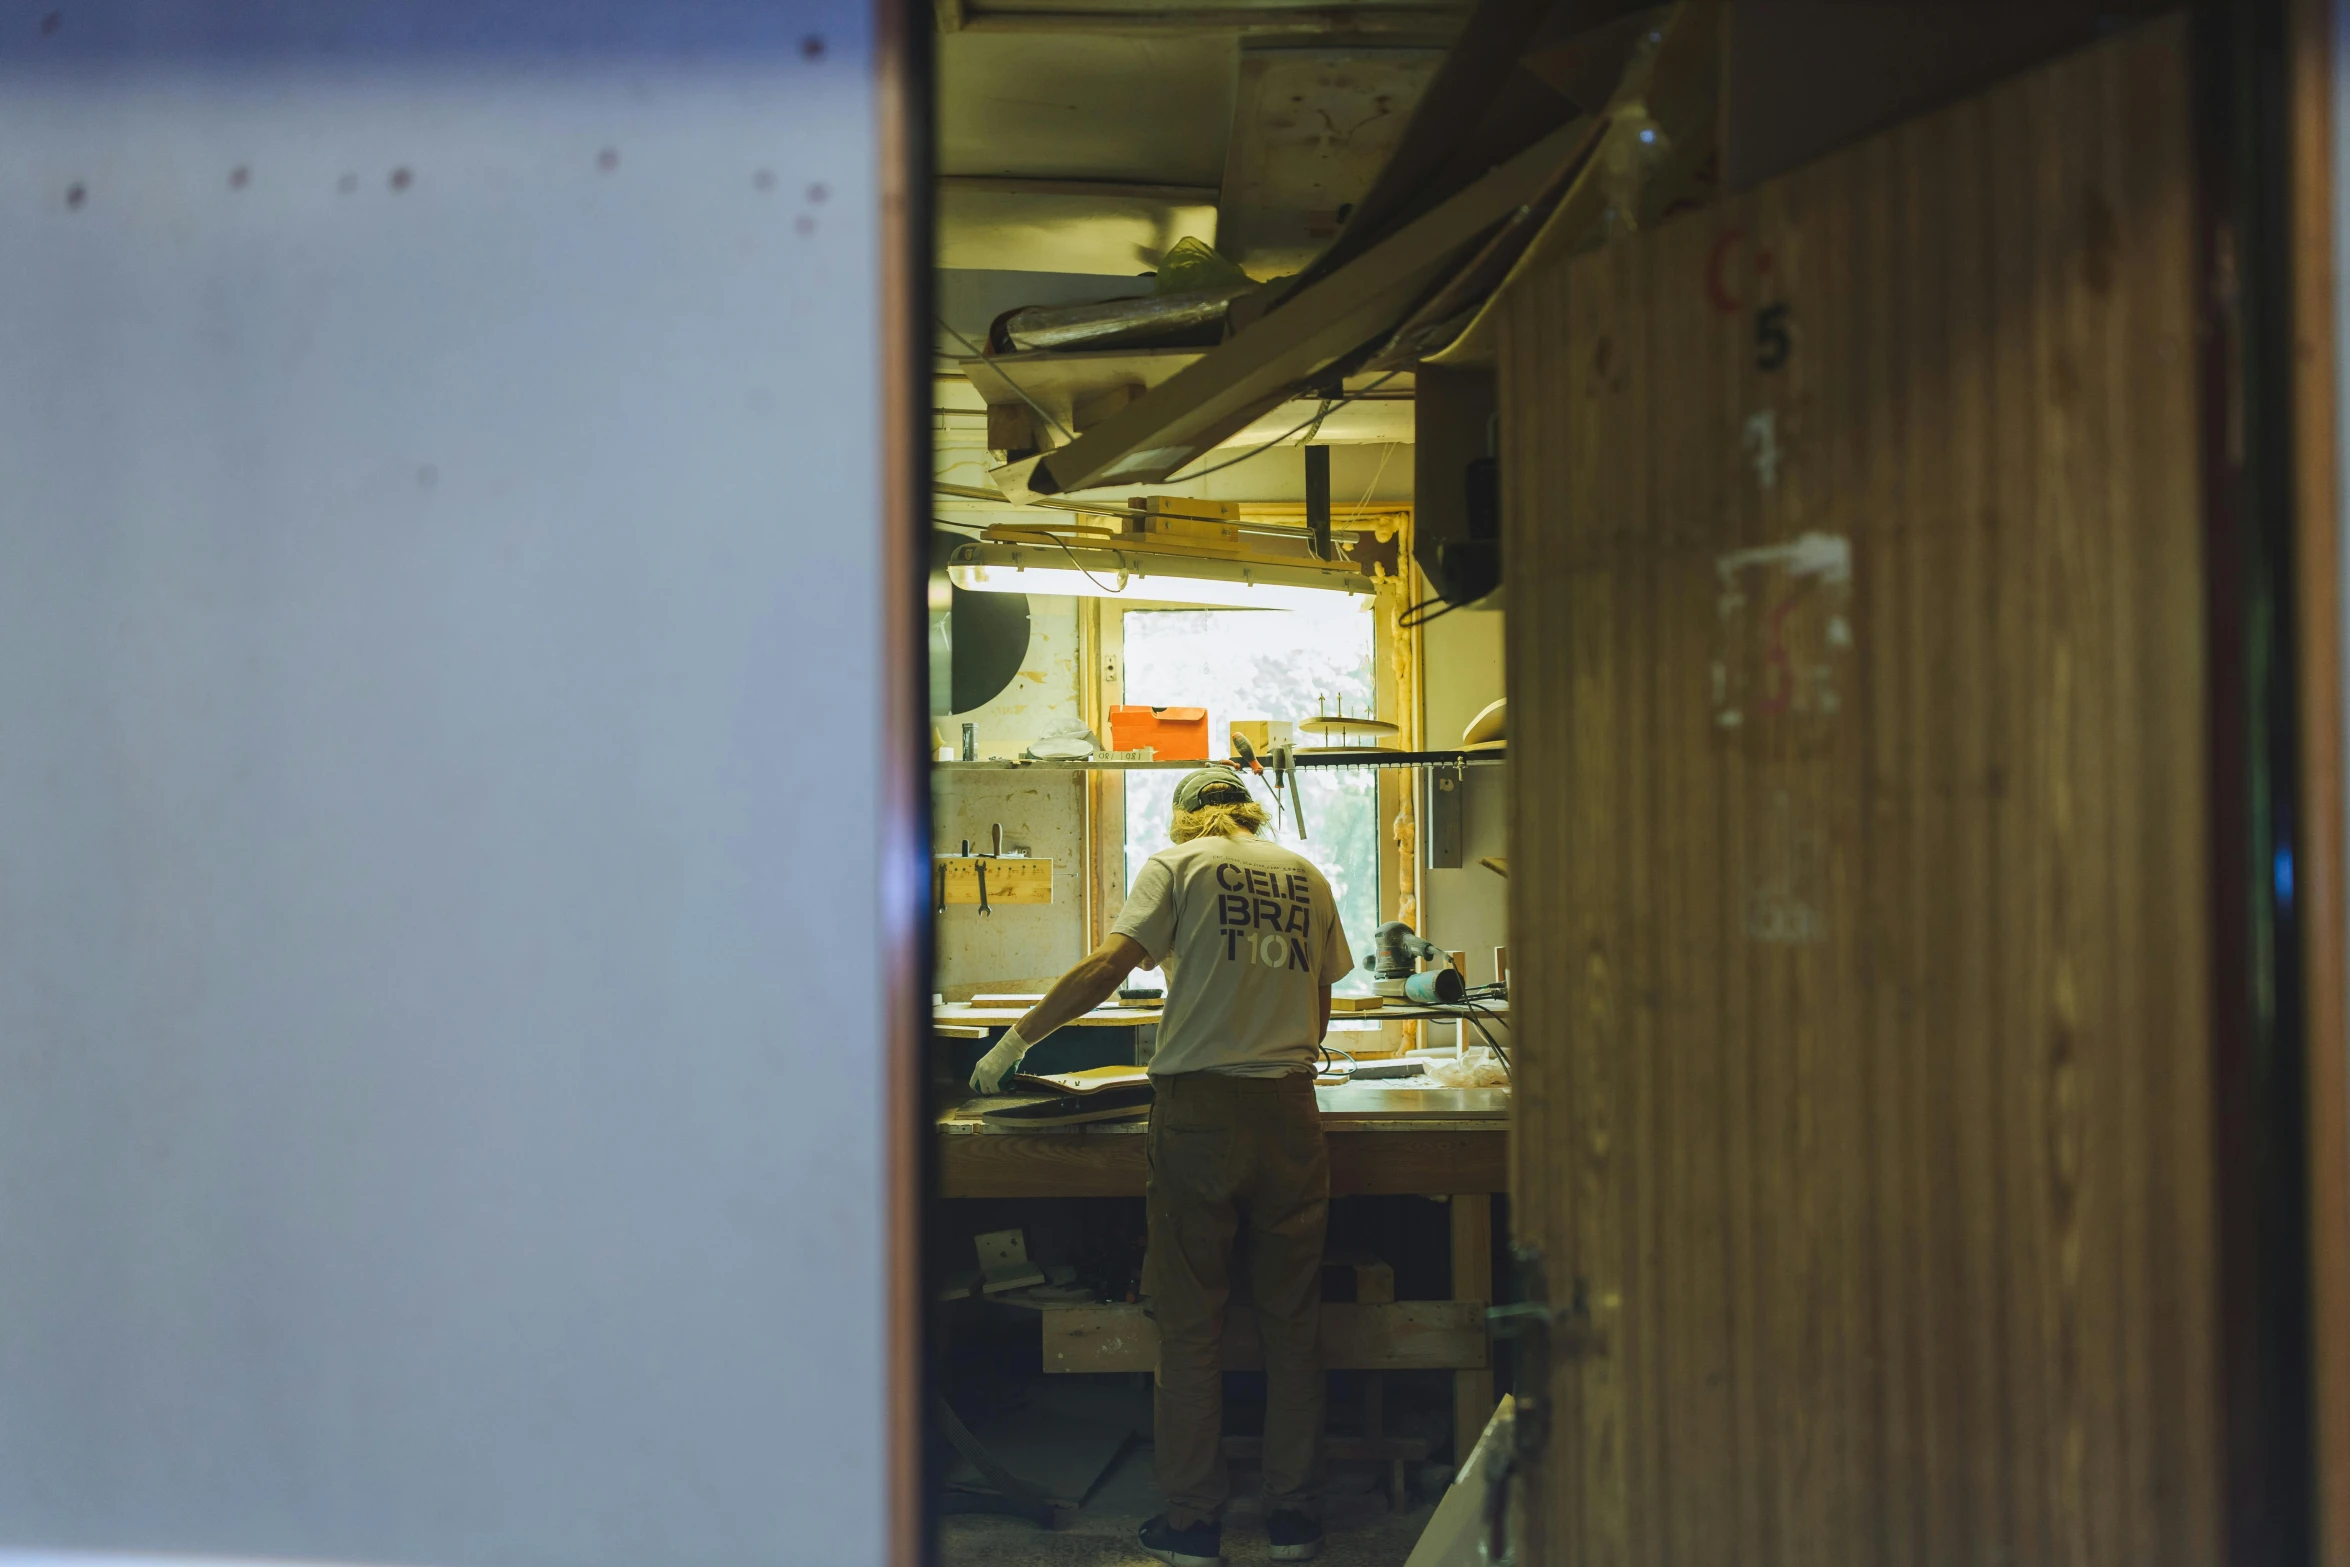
{"x":1210,"y":786}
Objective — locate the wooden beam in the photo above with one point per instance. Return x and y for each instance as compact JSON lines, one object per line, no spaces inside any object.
{"x":1335,"y":25}
{"x":1472,"y":1283}
{"x":1190,"y":412}
{"x":1405,"y":1335}
{"x":1113,"y":1164}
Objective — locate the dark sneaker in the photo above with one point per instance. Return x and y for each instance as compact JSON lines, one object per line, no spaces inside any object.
{"x":1295,"y":1537}
{"x":1201,"y":1545}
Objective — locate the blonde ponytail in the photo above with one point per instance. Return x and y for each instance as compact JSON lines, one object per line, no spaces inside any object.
{"x":1239,"y":819}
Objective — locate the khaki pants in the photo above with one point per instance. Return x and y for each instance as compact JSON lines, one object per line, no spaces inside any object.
{"x":1238,"y":1173}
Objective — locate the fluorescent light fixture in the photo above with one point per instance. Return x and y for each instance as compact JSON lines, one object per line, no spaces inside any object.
{"x":1086,"y":571}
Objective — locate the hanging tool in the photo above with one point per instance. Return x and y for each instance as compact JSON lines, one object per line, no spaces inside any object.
{"x":1245,"y":755}
{"x":995,"y":851}
{"x":1285,"y":772}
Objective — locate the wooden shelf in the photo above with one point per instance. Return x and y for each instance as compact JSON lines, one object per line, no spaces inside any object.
{"x":1365,"y":756}
{"x":1404,"y":1335}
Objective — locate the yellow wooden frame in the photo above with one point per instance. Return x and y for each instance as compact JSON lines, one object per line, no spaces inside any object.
{"x":1396,"y":655}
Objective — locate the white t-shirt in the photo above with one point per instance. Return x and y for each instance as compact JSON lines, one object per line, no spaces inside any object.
{"x":1248,"y":934}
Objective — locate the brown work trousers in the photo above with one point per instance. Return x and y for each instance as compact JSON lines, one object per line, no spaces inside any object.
{"x":1239,"y":1185}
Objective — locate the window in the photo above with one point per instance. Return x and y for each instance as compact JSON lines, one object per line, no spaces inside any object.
{"x":1278,"y":664}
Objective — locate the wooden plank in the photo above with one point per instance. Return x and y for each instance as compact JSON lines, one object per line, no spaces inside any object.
{"x":1609,"y":1057}
{"x":1897,"y":1207}
{"x":1201,"y":404}
{"x":2319,"y":881}
{"x":1015,"y":880}
{"x":1546,"y":485}
{"x":1906,"y":328}
{"x":1405,"y":1335}
{"x":1472,"y":1282}
{"x":1396,"y":1163}
{"x":1373,"y":1281}
{"x":1080,"y":1164}
{"x":1842,"y":1500}
{"x":1958,"y":882}
{"x":2178,"y":1513}
{"x":2026,"y":641}
{"x":1407,"y":26}
{"x":1693,"y":1385}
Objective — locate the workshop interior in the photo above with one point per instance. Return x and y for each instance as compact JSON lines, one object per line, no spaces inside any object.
{"x":1066,"y":783}
{"x":1709,"y":526}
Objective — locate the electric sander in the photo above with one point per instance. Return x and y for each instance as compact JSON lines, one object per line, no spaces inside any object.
{"x":1394,"y":961}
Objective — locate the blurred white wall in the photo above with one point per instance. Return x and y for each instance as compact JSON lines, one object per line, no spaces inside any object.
{"x":440,"y":1037}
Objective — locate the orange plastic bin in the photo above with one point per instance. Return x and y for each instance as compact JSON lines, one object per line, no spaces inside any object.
{"x":1176,"y":734}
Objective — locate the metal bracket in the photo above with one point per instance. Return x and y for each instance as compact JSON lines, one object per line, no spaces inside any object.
{"x":1446,"y":784}
{"x":1538,"y":1331}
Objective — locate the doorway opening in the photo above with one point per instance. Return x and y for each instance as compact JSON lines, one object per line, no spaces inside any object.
{"x":1644,"y":489}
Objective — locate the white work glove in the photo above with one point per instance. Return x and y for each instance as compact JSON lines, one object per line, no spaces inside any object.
{"x":998,"y":1063}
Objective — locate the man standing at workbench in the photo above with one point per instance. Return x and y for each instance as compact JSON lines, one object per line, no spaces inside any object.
{"x":1250,"y":940}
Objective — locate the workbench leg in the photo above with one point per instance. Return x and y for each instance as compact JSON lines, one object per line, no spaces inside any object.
{"x":1472,"y":1279}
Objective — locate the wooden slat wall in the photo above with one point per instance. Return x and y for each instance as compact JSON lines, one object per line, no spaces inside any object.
{"x":2318,"y":881}
{"x":1897,"y":1226}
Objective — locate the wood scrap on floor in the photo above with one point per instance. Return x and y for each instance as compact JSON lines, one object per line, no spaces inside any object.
{"x":1061,"y":1438}
{"x":1455,"y":1537}
{"x":1004,"y":1263}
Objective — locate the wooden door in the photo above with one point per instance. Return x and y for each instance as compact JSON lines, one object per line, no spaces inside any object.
{"x":1857,"y":667}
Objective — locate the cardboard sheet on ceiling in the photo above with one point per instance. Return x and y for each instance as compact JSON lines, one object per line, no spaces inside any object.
{"x":1085,"y":106}
{"x":1311,"y":129}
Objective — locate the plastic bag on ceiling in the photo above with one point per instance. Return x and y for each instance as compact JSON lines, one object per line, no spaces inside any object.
{"x":1190,"y":267}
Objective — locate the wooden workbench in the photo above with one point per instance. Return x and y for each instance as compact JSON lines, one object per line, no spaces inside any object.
{"x":1384,"y":1140}
{"x":967,"y":1014}
{"x":964,"y":1014}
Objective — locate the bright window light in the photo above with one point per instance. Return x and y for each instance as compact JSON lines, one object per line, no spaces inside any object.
{"x":1141,"y":577}
{"x":1267,"y":666}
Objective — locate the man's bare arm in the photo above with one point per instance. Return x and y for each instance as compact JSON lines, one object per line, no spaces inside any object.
{"x":1083,"y":988}
{"x":1322,"y":1032}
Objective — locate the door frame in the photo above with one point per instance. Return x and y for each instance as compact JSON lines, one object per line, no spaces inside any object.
{"x":2317,"y":520}
{"x":904,"y":56}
